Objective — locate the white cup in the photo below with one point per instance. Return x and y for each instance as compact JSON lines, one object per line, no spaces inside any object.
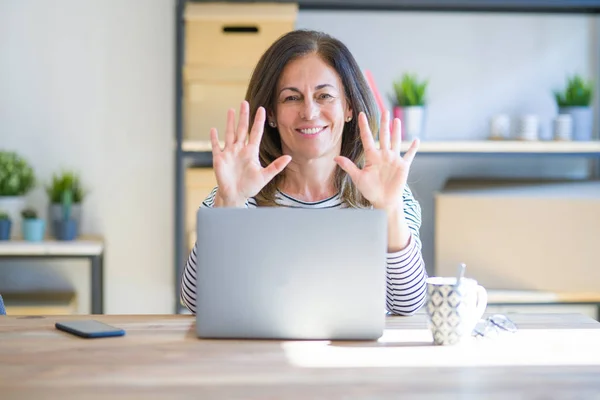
{"x":454,"y":310}
{"x":528,"y":128}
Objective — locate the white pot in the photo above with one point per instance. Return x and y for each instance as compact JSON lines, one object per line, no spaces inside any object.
{"x":413,"y":122}
{"x":13,"y":205}
{"x":583,"y":122}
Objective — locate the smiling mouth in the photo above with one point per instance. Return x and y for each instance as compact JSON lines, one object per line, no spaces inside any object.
{"x":312,"y":131}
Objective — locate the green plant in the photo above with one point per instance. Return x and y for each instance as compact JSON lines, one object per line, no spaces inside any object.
{"x":578,"y":93}
{"x":16,"y":175}
{"x":29,"y":213}
{"x":410,"y":91}
{"x":4,"y":216}
{"x":63,"y":182}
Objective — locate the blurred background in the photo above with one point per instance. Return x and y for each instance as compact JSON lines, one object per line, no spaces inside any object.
{"x":108,"y":101}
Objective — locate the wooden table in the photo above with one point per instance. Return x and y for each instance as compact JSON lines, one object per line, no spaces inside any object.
{"x":88,"y":248}
{"x":551,"y":356}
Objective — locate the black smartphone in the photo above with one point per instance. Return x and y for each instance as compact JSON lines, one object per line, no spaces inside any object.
{"x":89,"y":329}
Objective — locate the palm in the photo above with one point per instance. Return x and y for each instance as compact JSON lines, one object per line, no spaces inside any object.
{"x":238,"y":172}
{"x":383,"y":178}
{"x":237,"y":168}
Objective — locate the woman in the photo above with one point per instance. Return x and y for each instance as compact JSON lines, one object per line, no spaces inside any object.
{"x":311,"y":145}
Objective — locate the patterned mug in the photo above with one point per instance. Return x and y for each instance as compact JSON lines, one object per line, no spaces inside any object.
{"x":454,"y":310}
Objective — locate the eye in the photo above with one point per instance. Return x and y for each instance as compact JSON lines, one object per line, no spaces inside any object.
{"x":325,"y":96}
{"x":291,"y":98}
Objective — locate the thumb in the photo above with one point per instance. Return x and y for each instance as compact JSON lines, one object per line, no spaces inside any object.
{"x":412,"y":151}
{"x":276,"y":167}
{"x":348,"y":166}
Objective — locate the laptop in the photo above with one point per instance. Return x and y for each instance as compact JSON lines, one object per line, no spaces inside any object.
{"x":288,"y":273}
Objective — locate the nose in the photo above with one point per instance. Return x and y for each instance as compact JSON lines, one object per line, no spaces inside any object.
{"x":311,"y":109}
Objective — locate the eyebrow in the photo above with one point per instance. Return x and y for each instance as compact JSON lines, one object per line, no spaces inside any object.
{"x":318,"y":87}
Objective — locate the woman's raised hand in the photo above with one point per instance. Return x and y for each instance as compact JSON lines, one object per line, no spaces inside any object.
{"x":237,"y":167}
{"x":383,"y":178}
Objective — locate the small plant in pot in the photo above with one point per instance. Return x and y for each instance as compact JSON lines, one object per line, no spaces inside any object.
{"x":576,"y":101}
{"x":17,"y":178}
{"x":409,"y":105}
{"x":34,"y":228}
{"x":63,"y":182}
{"x":66,"y":228}
{"x":5,"y":225}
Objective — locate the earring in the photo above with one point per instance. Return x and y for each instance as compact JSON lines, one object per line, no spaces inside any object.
{"x":272,"y":123}
{"x":349,"y":119}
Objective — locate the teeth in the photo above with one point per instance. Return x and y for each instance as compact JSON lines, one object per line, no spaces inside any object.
{"x":311,"y":131}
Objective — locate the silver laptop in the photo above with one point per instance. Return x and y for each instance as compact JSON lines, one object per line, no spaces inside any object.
{"x":285,"y":273}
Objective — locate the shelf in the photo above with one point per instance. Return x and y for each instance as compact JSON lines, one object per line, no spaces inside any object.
{"x":84,"y":246}
{"x":510,"y":147}
{"x":536,"y":6}
{"x":468,"y":147}
{"x":540,"y":297}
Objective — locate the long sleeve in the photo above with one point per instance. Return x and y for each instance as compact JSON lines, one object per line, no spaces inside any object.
{"x":406,"y":274}
{"x":188,"y":278}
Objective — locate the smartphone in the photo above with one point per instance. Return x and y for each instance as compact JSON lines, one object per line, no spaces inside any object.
{"x":89,"y":329}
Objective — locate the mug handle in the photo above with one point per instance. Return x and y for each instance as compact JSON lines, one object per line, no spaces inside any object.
{"x":482,"y":300}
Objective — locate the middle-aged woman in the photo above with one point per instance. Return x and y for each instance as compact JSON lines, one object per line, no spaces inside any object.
{"x":311,"y":117}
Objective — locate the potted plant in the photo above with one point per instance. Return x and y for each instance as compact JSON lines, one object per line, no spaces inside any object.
{"x":34,"y":228}
{"x":63,"y":182}
{"x":5,"y":225}
{"x":576,"y":100}
{"x":409,"y":105}
{"x":16,"y":180}
{"x":66,"y":227}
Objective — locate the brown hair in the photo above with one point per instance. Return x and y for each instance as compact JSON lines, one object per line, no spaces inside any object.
{"x":262,"y":92}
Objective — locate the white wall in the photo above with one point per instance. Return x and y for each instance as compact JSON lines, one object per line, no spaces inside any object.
{"x":82,"y":80}
{"x":90,"y":85}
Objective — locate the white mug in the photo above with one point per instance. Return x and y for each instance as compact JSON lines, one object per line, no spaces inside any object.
{"x":454,"y":310}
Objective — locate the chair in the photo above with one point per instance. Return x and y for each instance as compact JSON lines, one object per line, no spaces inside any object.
{"x":2,"y":309}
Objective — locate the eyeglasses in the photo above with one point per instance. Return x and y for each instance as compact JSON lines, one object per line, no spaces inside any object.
{"x":494,"y":326}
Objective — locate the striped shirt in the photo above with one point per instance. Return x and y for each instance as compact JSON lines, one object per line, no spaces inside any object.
{"x":406,"y":274}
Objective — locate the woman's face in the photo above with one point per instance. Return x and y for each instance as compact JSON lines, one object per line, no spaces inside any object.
{"x":311,"y":109}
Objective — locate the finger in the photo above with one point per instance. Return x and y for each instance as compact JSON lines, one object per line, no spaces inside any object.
{"x":366,"y":135}
{"x":347,"y":165}
{"x":258,"y":127}
{"x":230,"y":128}
{"x":276,"y":167}
{"x":242,"y":128}
{"x":384,"y":131}
{"x":396,"y":135}
{"x":214,"y":141}
{"x":412,"y":151}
